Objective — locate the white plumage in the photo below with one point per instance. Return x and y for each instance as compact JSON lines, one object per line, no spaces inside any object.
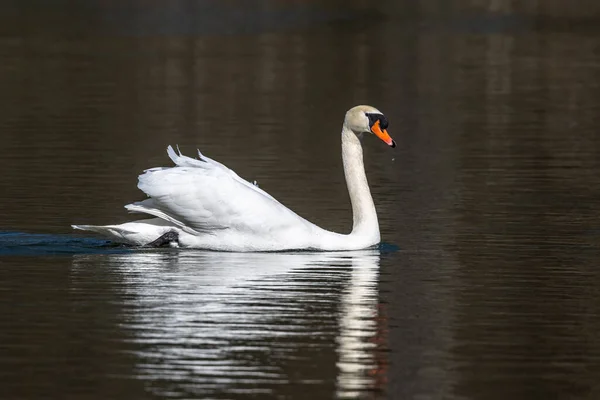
{"x":207,"y":205}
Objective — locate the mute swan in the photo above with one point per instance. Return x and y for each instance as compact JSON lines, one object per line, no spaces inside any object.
{"x":203,"y":204}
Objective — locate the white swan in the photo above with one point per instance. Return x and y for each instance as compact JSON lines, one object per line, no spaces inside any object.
{"x":203,"y":204}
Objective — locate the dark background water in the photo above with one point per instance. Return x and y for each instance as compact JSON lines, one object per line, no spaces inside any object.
{"x":492,"y":196}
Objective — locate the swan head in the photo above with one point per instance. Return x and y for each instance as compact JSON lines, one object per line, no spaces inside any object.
{"x":367,"y":119}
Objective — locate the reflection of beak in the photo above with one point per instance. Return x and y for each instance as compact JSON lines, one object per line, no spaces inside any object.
{"x":382,"y":134}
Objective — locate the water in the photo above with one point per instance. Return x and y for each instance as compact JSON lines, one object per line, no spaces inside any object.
{"x":486,"y":287}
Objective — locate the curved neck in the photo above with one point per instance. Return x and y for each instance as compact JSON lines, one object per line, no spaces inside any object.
{"x":363,"y":210}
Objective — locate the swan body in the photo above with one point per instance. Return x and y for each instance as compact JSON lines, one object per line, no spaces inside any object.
{"x":200,"y":203}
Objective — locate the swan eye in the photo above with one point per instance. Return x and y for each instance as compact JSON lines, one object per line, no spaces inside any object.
{"x":383,"y":122}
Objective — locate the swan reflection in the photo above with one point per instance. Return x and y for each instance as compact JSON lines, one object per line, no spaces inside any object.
{"x":205,"y":323}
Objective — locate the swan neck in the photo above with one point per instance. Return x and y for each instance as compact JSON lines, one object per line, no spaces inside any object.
{"x":363,"y":209}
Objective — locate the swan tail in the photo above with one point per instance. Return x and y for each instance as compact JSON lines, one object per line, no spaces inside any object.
{"x":137,"y":233}
{"x":112,"y":232}
{"x":104,"y":229}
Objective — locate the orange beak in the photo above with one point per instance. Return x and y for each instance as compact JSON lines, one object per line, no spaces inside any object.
{"x":382,"y":134}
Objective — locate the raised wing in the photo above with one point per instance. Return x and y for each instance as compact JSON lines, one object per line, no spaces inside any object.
{"x":203,"y":195}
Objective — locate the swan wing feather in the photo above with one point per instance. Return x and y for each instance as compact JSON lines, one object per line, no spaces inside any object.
{"x":203,"y":196}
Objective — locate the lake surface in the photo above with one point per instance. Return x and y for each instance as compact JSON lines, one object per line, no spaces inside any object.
{"x":486,"y":286}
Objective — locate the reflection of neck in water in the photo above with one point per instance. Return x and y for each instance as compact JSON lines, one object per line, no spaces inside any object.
{"x":358,"y":328}
{"x":198,"y":316}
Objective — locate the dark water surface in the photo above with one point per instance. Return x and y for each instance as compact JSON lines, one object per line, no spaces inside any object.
{"x":492,"y":196}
